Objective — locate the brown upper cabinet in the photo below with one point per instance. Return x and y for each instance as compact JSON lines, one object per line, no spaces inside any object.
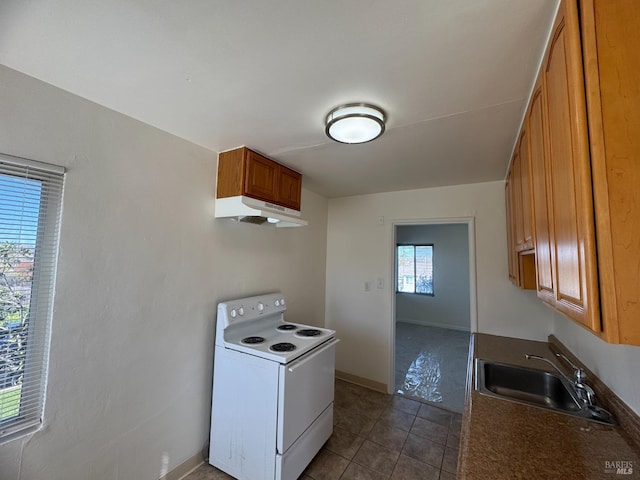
{"x":519,"y":231}
{"x":539,"y":207}
{"x":245,"y":172}
{"x":569,"y":191}
{"x":611,"y":52}
{"x":512,"y":254}
{"x":584,"y":154}
{"x":524,"y":235}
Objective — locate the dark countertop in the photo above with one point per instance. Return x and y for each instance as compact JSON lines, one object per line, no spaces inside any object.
{"x":501,"y":439}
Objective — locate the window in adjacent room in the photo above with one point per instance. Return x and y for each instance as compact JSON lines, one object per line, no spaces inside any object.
{"x":30,"y":209}
{"x":414,"y":267}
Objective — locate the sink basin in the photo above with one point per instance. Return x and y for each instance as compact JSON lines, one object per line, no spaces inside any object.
{"x":533,"y":387}
{"x":526,"y":385}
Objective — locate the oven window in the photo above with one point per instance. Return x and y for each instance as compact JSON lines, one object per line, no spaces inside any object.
{"x":414,"y":269}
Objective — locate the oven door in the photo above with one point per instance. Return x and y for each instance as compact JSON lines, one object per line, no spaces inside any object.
{"x":305,"y":391}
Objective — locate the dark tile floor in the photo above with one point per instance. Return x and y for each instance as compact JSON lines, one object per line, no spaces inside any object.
{"x":378,"y":436}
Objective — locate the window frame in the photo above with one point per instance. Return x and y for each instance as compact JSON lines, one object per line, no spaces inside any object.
{"x":397,"y":272}
{"x":45,"y":255}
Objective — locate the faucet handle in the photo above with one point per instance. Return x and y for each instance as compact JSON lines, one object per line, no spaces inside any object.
{"x":578,"y":373}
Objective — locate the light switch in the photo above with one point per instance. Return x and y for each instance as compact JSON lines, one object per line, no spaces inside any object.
{"x":367,"y":286}
{"x":380,"y":283}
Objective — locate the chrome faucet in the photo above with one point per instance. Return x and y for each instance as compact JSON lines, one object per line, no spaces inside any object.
{"x":578,"y":373}
{"x":583,"y":391}
{"x":579,"y":376}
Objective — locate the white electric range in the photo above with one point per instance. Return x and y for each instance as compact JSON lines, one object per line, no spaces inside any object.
{"x":273,"y":386}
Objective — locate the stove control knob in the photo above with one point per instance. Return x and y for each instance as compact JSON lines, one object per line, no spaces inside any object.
{"x":241,"y":311}
{"x":282,"y":302}
{"x":277,"y":303}
{"x":260,"y":306}
{"x":233,"y":313}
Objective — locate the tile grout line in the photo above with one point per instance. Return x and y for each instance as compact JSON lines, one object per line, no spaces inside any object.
{"x":390,"y":405}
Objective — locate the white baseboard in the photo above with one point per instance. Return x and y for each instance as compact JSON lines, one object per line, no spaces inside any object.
{"x":434,"y":324}
{"x":185,"y":468}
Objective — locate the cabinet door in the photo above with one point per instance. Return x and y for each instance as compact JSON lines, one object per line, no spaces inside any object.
{"x":611,"y":52}
{"x":290,"y":188}
{"x":261,"y":180}
{"x":516,"y":194}
{"x":576,"y":292}
{"x":511,"y":246}
{"x":540,"y":196}
{"x":525,"y":191}
{"x":522,"y":195}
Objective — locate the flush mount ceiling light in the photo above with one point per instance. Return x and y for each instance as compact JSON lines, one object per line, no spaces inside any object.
{"x":355,"y":123}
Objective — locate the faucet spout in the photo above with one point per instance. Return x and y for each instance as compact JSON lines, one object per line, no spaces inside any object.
{"x":583,"y":391}
{"x":528,"y":356}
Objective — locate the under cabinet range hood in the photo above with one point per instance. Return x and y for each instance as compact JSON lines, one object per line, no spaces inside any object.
{"x":250,"y":210}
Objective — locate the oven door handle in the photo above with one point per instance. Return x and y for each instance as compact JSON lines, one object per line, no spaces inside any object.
{"x":321,"y":348}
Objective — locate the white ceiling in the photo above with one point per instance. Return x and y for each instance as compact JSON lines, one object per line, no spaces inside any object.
{"x":454,"y":76}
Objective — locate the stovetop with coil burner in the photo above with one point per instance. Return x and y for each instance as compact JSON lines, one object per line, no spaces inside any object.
{"x":256,"y":326}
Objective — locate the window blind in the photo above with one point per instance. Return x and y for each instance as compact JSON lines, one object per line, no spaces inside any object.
{"x":30,"y":213}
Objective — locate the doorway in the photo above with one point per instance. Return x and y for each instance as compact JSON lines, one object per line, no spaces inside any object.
{"x":434,"y":310}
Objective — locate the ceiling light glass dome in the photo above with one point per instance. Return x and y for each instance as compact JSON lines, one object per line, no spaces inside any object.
{"x":355,"y":123}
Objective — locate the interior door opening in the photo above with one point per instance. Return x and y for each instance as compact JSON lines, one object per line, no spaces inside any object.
{"x":434,"y":310}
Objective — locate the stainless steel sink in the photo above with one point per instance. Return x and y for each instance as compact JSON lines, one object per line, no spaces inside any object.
{"x":533,"y":387}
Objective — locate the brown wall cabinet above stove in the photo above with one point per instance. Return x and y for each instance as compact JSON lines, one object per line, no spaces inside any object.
{"x":245,"y":172}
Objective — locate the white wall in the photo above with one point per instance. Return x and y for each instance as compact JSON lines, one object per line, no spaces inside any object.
{"x":359,"y":249}
{"x":449,"y":306}
{"x":615,"y":365}
{"x":142,"y":266}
